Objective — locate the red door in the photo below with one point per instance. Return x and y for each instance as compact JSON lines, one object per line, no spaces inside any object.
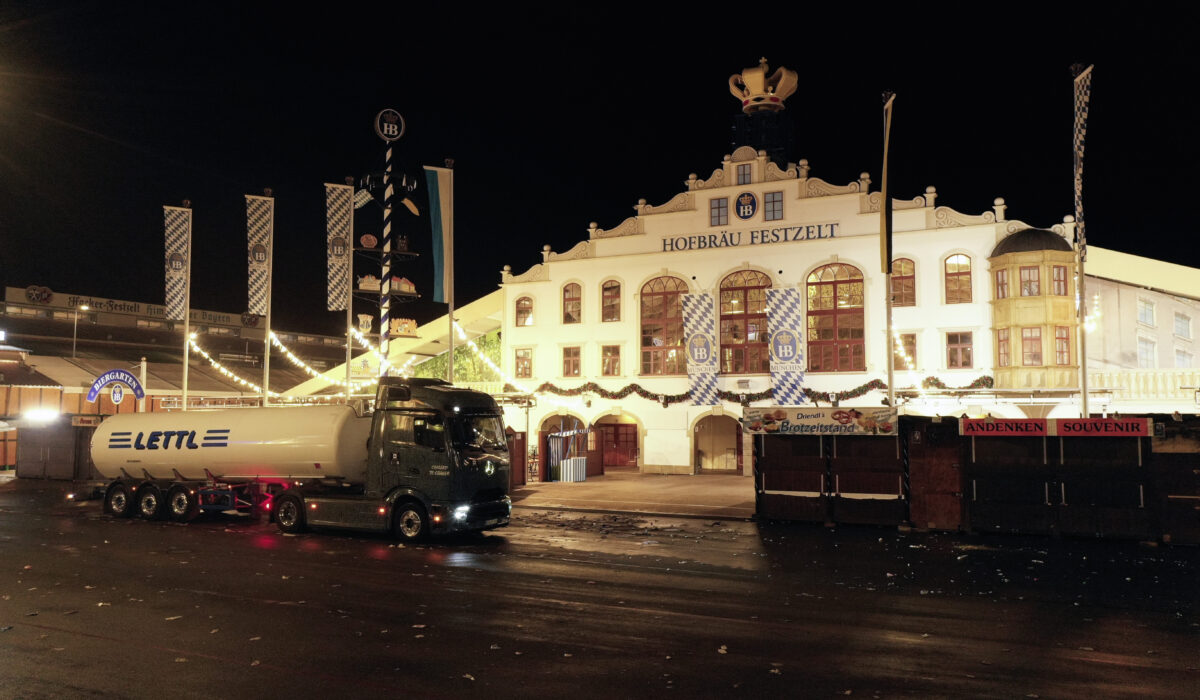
{"x":618,"y":445}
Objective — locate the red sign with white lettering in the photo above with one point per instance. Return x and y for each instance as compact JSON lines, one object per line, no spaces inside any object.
{"x":1061,"y":427}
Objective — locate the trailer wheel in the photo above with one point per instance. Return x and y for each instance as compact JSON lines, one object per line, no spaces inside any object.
{"x":150,"y":502}
{"x":289,"y":514}
{"x":182,"y":504}
{"x":117,"y":502}
{"x":410,"y":523}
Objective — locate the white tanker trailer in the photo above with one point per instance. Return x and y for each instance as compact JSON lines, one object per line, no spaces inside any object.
{"x":430,"y":458}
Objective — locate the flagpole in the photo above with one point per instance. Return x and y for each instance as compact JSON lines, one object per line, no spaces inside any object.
{"x":350,"y":288}
{"x":885,"y":246}
{"x":449,"y":257}
{"x":1083,"y":91}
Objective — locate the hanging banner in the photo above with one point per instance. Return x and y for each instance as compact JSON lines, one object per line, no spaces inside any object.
{"x":774,"y":420}
{"x":178,"y":225}
{"x":785,"y":316}
{"x":700,"y":340}
{"x":339,"y":223}
{"x":440,"y":182}
{"x":260,"y":218}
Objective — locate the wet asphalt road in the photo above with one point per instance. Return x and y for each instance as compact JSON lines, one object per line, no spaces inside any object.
{"x":581,"y":605}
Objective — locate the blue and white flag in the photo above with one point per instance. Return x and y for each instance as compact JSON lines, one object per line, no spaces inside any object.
{"x":260,"y":220}
{"x":440,"y":182}
{"x":700,"y":341}
{"x":178,"y":224}
{"x":339,"y":227}
{"x":785,"y":316}
{"x":1083,"y":94}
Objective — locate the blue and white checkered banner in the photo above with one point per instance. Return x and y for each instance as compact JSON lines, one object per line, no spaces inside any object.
{"x":178,"y":224}
{"x":700,"y":340}
{"x":785,"y":316}
{"x":1083,"y":94}
{"x":260,"y":218}
{"x":339,"y":224}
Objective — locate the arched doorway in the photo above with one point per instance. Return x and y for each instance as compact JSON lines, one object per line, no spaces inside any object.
{"x":717,"y":445}
{"x":617,"y":439}
{"x":560,"y":437}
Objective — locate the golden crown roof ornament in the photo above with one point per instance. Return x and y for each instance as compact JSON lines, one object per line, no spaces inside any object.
{"x":759,"y":93}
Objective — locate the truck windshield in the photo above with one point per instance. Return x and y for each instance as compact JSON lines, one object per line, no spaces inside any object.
{"x":483,"y":432}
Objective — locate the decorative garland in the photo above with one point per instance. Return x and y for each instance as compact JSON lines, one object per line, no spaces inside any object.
{"x":984,"y":382}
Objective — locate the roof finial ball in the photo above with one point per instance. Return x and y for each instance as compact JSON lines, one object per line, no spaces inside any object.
{"x":757,"y":92}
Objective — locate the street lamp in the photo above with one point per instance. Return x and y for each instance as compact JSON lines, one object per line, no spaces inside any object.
{"x":75,"y":328}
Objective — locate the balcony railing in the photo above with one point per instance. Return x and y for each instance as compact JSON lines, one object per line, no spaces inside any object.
{"x":1147,"y":384}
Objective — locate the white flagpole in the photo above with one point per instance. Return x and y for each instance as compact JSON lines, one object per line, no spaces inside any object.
{"x":270,"y":270}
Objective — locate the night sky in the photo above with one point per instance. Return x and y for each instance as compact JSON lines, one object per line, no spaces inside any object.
{"x":554,"y":119}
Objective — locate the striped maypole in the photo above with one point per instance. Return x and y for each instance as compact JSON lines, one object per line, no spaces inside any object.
{"x":389,"y":126}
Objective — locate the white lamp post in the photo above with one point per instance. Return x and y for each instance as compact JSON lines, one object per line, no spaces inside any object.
{"x":75,"y":328}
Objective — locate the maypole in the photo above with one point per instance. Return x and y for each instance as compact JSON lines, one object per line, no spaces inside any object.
{"x":389,"y":126}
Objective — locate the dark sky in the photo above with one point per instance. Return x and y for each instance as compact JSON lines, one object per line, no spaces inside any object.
{"x":554,"y":119}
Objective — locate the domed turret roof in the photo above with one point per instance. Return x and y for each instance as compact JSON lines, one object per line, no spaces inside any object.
{"x":1029,"y":239}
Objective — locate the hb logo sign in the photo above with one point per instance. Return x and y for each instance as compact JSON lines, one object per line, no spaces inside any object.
{"x":389,"y":125}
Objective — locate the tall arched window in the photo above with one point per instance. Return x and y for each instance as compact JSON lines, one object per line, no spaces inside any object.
{"x":958,"y":279}
{"x":524,"y":315}
{"x":744,"y":323}
{"x":572,"y":303}
{"x":610,"y":301}
{"x":662,"y":326}
{"x":904,"y":282}
{"x":835,"y":319}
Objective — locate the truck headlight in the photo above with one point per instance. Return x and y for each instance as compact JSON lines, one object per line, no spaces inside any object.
{"x":460,"y":513}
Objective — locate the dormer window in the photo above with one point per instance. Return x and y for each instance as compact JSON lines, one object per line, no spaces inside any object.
{"x":744,"y":173}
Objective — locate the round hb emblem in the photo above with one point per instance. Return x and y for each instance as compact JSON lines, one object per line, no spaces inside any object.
{"x":700,"y":349}
{"x":785,"y":346}
{"x":117,"y":394}
{"x":745,"y":205}
{"x":337,"y":247}
{"x":258,"y":254}
{"x":389,"y":125}
{"x":176,"y":262}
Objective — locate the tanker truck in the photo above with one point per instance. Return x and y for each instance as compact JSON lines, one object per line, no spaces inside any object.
{"x":430,"y":458}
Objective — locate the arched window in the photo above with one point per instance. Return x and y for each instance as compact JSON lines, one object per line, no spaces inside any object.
{"x":744,"y":323}
{"x":904,"y":282}
{"x":662,"y":326}
{"x":835,"y":319}
{"x":572,"y":303}
{"x":958,"y":279}
{"x":610,"y":301}
{"x":524,"y":312}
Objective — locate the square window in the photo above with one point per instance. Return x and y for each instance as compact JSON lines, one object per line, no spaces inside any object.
{"x":1146,"y":352}
{"x":610,"y":359}
{"x":571,"y":362}
{"x":718,"y":211}
{"x":1145,"y":312}
{"x":1183,"y":325}
{"x":1062,"y":345}
{"x":1031,"y":347}
{"x":958,"y":351}
{"x":1183,"y":359}
{"x":905,"y":352}
{"x":1030,"y":282}
{"x":1060,"y":280}
{"x":523,"y":363}
{"x":773,"y":206}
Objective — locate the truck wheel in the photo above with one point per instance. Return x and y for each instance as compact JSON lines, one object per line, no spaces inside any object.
{"x":117,"y":502}
{"x":410,"y":524}
{"x":289,"y":514}
{"x":150,"y":502}
{"x":182,"y":505}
